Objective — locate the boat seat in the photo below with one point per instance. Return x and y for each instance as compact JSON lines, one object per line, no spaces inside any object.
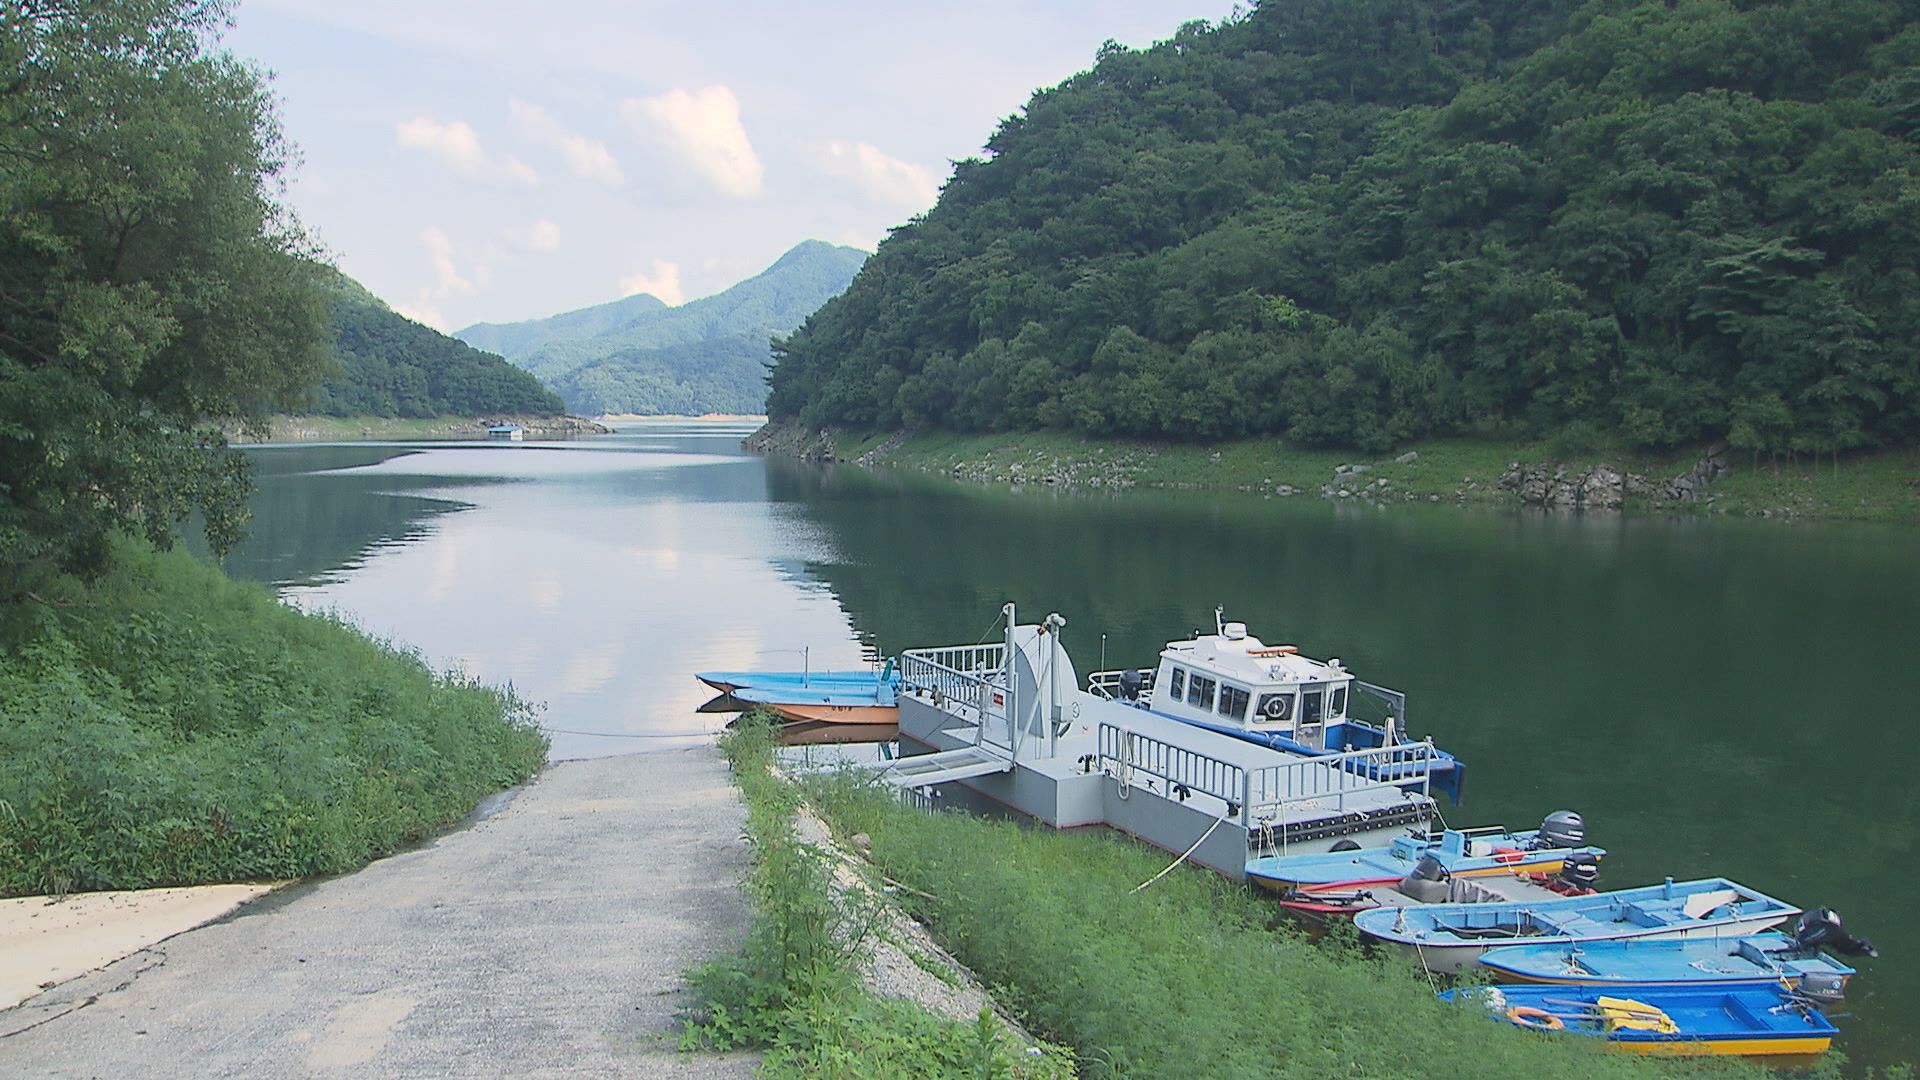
{"x":1640,"y":916}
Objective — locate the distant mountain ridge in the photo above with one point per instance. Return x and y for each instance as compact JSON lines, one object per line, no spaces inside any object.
{"x":517,"y":339}
{"x":388,"y":365}
{"x":637,"y":355}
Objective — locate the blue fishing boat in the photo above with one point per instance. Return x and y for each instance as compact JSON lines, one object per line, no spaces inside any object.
{"x":1793,"y":959}
{"x":1423,"y":868}
{"x":1237,"y":685}
{"x":727,"y":682}
{"x":1748,"y":1019}
{"x":1450,"y":937}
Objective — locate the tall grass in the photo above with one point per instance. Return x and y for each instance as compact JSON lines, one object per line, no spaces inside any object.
{"x":794,"y":987}
{"x":1193,"y":976}
{"x":168,"y":726}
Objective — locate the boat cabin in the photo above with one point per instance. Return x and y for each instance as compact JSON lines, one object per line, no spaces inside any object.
{"x":1232,"y":680}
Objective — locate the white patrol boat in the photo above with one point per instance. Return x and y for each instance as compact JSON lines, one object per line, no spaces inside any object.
{"x":1233,"y":683}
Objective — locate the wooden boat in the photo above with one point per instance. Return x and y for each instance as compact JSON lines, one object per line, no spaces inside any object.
{"x":1769,"y":957}
{"x":1749,"y":1019}
{"x":864,"y":707}
{"x":1450,"y":937}
{"x":1237,"y":685}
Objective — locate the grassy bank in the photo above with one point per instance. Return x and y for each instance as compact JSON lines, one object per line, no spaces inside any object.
{"x":794,"y":988}
{"x":1193,"y":976}
{"x":1883,"y":486}
{"x":167,"y":725}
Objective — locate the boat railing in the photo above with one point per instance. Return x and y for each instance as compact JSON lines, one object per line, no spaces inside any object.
{"x":969,"y":681}
{"x":1106,"y":684}
{"x":1137,"y":758}
{"x":1335,"y":776}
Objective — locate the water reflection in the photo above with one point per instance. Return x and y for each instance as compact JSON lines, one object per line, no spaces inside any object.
{"x":1714,"y":695}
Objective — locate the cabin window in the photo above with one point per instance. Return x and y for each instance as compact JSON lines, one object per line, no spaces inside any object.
{"x":1275,"y":708}
{"x":1233,"y":701}
{"x":1176,"y":684}
{"x":1310,"y":703}
{"x":1337,"y":703}
{"x":1200,"y":691}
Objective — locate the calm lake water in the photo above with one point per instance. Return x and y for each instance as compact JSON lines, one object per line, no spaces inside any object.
{"x":1717,"y":697}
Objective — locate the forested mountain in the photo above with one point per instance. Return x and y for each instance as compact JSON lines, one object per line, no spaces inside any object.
{"x":708,"y":355}
{"x":518,"y":339}
{"x":389,"y":365}
{"x":1356,"y":221}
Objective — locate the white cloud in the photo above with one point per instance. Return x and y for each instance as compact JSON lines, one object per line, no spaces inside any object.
{"x":520,"y":172}
{"x":542,"y":235}
{"x":456,"y":143}
{"x":704,"y":127}
{"x":662,"y":280}
{"x":586,"y":157}
{"x":448,"y":280}
{"x":453,"y":142}
{"x":881,"y":175}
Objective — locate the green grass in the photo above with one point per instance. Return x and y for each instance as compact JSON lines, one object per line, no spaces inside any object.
{"x":1194,"y":976}
{"x":167,"y":725}
{"x":1881,"y":486}
{"x":793,"y":989}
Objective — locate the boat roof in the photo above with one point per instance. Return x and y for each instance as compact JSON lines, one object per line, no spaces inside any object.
{"x":1240,"y":656}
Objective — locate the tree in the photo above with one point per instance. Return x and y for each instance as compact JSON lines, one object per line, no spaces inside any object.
{"x":151,"y":285}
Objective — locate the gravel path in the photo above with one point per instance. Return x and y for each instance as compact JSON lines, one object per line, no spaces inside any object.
{"x":546,"y":940}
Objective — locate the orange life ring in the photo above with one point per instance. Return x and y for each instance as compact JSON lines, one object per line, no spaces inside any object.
{"x":1535,"y":1019}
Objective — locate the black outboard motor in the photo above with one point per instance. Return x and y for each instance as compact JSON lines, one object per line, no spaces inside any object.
{"x":1427,"y":883}
{"x":1131,"y":683}
{"x":1562,"y":828}
{"x":1580,"y":871}
{"x":1821,"y":928}
{"x":1824,"y":987}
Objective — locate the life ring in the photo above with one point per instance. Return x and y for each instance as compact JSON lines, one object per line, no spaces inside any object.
{"x":1533,"y":1019}
{"x":1276,"y":707}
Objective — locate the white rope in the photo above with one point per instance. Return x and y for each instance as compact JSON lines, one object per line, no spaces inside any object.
{"x":1181,"y":859}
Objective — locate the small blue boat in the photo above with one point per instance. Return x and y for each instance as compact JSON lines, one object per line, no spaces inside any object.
{"x":1450,"y":937}
{"x":727,"y":682}
{"x":1748,"y":1019}
{"x":1457,"y":852}
{"x":1271,"y":695}
{"x":1769,"y":957}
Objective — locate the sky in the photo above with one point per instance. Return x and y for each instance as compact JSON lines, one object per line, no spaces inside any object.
{"x":490,"y":161}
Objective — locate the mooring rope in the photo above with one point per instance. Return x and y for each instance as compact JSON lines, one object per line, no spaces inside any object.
{"x":1181,"y":859}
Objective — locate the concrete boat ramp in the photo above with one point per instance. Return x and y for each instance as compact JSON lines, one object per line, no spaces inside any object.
{"x":1009,"y":721}
{"x":549,"y":939}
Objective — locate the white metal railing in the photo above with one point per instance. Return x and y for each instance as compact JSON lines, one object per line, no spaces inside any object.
{"x":1106,"y":684}
{"x":1264,"y":792}
{"x":1403,"y":765}
{"x":964,"y":679}
{"x":1138,"y":757}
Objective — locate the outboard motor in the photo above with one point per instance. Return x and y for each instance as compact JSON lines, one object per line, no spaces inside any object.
{"x":1131,"y":683}
{"x":1824,"y":987}
{"x":1580,"y":871}
{"x":1562,"y":828}
{"x":1427,"y":884}
{"x":1822,"y":928}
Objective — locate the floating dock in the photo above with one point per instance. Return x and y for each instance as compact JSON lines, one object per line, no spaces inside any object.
{"x":1009,"y":721}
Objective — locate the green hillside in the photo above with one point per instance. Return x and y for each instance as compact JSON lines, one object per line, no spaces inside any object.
{"x":513,"y":340}
{"x":1352,"y":222}
{"x":389,"y":365}
{"x":707,"y":355}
